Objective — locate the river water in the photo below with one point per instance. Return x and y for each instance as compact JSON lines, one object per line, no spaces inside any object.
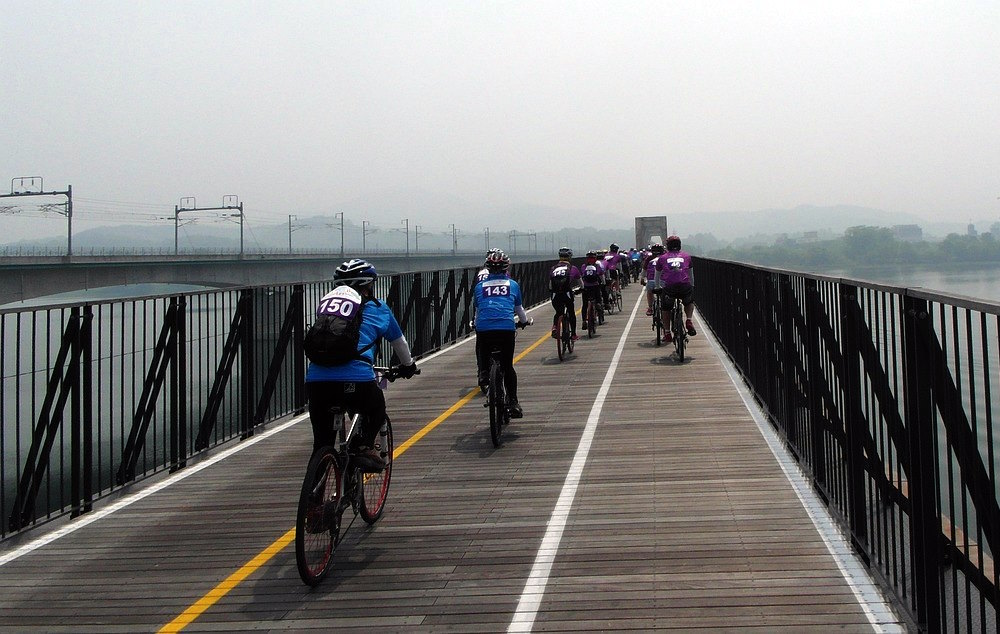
{"x":981,"y":281}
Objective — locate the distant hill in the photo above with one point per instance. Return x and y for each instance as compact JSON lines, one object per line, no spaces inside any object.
{"x":728,"y":226}
{"x":432,"y":214}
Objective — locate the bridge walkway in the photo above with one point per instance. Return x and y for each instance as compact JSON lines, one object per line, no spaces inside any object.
{"x":660,"y":508}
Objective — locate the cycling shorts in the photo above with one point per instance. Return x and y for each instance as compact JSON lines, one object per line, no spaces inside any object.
{"x":684,"y":291}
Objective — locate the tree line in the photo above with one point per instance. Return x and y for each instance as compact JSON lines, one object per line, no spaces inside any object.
{"x":863,"y":245}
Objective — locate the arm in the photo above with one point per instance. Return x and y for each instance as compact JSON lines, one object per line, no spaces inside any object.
{"x":519,"y":311}
{"x":402,"y":350}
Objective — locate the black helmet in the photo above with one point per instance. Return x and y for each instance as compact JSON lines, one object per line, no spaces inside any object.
{"x":497,"y":261}
{"x":355,"y":273}
{"x":565,"y":252}
{"x":613,"y":248}
{"x":656,"y":248}
{"x":673,"y":243}
{"x":591,"y":254}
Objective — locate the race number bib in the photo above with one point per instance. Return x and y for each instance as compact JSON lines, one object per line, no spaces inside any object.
{"x":496,"y":288}
{"x":342,"y":301}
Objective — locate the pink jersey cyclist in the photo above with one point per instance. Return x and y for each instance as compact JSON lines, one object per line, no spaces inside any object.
{"x":674,"y":279}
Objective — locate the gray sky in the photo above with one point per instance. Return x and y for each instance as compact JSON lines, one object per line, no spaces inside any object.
{"x":624,"y":108}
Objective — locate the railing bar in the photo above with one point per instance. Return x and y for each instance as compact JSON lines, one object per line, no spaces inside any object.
{"x":975,"y":435}
{"x":950,"y":462}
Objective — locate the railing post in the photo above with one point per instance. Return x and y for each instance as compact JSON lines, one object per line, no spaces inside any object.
{"x":178,"y":389}
{"x":853,"y":417}
{"x":817,"y":438}
{"x":247,"y":366}
{"x":87,"y":363}
{"x":788,"y":353}
{"x":925,"y":525}
{"x":298,"y":356}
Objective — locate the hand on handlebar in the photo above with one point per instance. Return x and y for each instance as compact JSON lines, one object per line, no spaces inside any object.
{"x":407,"y":371}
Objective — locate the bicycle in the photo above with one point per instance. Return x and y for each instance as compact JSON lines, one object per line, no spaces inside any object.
{"x":496,"y":395}
{"x":678,"y":329}
{"x":564,"y":343}
{"x":591,"y":317}
{"x":614,"y":296}
{"x":332,"y":484}
{"x":657,"y":318}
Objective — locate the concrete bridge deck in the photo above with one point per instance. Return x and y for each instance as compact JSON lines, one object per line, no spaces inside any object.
{"x":636,"y":494}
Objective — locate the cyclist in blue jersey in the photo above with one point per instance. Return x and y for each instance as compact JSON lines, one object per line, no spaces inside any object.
{"x":352,"y":386}
{"x":497,"y":300}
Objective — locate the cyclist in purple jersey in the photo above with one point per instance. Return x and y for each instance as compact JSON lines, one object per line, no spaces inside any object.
{"x":564,"y":279}
{"x":649,"y":274}
{"x":592,"y":275}
{"x":611,"y":262}
{"x":674,"y":278}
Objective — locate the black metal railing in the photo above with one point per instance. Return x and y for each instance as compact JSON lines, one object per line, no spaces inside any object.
{"x":98,"y":395}
{"x":886,"y":397}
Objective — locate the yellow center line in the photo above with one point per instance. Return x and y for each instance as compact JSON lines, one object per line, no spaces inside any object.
{"x":201,"y":605}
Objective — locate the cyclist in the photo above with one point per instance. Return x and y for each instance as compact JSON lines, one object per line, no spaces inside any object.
{"x":497,"y":299}
{"x":592,"y":275}
{"x":564,"y":279}
{"x":612,"y":259}
{"x":674,"y":278}
{"x":480,"y":276}
{"x":649,"y":273}
{"x":352,"y":386}
{"x":635,"y":256}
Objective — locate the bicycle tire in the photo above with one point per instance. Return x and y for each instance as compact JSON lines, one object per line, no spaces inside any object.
{"x":567,"y":336}
{"x":680,"y":332}
{"x":498,"y":403}
{"x":559,"y":336}
{"x":317,"y":521}
{"x":591,"y":318}
{"x":657,"y":321}
{"x":618,"y":300}
{"x":375,"y":486}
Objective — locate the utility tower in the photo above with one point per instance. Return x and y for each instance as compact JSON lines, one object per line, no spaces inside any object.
{"x":32,"y":186}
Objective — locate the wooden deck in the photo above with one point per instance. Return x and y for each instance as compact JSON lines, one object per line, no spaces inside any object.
{"x":682,"y":519}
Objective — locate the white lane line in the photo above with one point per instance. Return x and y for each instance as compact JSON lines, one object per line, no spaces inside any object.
{"x":131,"y":498}
{"x":534,"y":587}
{"x":878,"y":610}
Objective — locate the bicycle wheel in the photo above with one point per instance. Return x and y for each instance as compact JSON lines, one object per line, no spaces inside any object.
{"x":498,"y":403}
{"x":657,"y":320}
{"x":567,"y":337}
{"x":375,"y":486}
{"x":618,"y":300}
{"x":680,"y":332}
{"x":559,"y":337}
{"x":317,"y":522}
{"x":591,"y":319}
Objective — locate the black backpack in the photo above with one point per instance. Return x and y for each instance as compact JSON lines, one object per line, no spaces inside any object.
{"x":559,"y":281}
{"x":333,"y":339}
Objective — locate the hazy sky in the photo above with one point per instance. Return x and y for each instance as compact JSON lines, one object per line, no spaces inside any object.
{"x":624,"y":108}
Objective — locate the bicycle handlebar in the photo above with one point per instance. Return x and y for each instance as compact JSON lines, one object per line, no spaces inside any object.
{"x":391,"y":374}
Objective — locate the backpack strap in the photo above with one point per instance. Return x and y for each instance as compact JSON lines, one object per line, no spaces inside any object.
{"x":361,"y":314}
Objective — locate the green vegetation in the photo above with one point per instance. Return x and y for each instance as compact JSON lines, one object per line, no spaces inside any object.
{"x":863,"y":245}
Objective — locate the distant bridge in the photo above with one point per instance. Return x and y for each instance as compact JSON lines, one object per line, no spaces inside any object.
{"x":23,"y":278}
